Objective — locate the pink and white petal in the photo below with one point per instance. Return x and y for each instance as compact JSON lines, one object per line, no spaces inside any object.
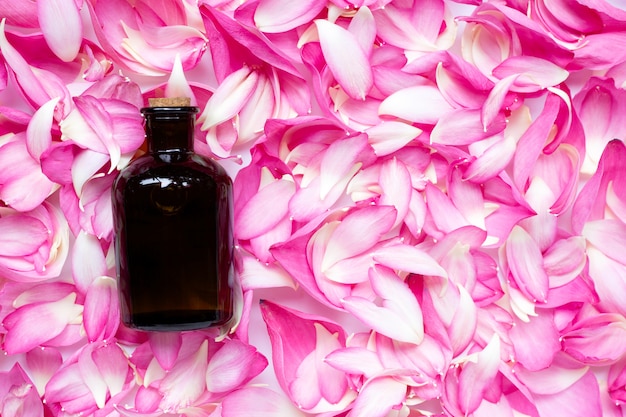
{"x":24,"y":330}
{"x":258,"y":401}
{"x":229,"y":98}
{"x":534,"y":73}
{"x":564,"y":260}
{"x":186,"y":382}
{"x":493,"y":105}
{"x":42,"y":364}
{"x":275,"y":16}
{"x":38,"y":132}
{"x":112,"y":365}
{"x":339,"y":161}
{"x":606,"y":235}
{"x":334,"y":383}
{"x":304,"y":389}
{"x":355,"y":361}
{"x":389,"y":136}
{"x":255,"y":219}
{"x":609,"y":280}
{"x":418,"y":104}
{"x":395,"y":182}
{"x":85,"y":165}
{"x":101,"y":315}
{"x":363,"y":27}
{"x":408,"y":258}
{"x":383,"y":320}
{"x":377,"y":397}
{"x":346,"y":59}
{"x":597,"y":341}
{"x":177,"y":85}
{"x":88,"y":261}
{"x":256,"y":274}
{"x":233,"y":365}
{"x":477,"y":376}
{"x":552,"y":380}
{"x":166,"y":348}
{"x":356,"y":233}
{"x":21,"y":235}
{"x":91,"y":376}
{"x":464,"y":127}
{"x":63,"y":39}
{"x":491,"y":161}
{"x":444,"y":213}
{"x":526,"y":263}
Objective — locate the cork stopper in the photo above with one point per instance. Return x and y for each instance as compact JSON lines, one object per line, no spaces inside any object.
{"x":169,"y":102}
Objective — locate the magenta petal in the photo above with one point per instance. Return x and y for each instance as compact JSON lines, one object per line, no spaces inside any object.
{"x":101,"y":315}
{"x":166,"y":347}
{"x":64,"y":40}
{"x":346,"y":59}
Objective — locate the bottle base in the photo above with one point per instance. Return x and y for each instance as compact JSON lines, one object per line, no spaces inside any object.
{"x":179,"y":320}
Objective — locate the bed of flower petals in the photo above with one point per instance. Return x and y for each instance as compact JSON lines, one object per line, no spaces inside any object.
{"x":430,"y":206}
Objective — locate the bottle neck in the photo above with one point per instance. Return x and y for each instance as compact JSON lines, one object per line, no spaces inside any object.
{"x":170,"y":129}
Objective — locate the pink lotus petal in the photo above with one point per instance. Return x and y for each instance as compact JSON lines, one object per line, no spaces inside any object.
{"x":526,"y":263}
{"x":384,"y":320}
{"x":166,"y":347}
{"x":186,"y":381}
{"x":395,"y":182}
{"x":42,"y":364}
{"x":408,"y":259}
{"x":541,"y":331}
{"x":259,"y":401}
{"x":476,"y":377}
{"x":23,"y":325}
{"x":338,"y":162}
{"x":275,"y":16}
{"x":390,"y":136}
{"x":464,"y":127}
{"x":598,"y":340}
{"x":357,"y":232}
{"x":534,"y":73}
{"x":607,"y":236}
{"x":495,"y":100}
{"x":345,"y":58}
{"x":492,"y":160}
{"x":355,"y":361}
{"x":609,"y":280}
{"x":21,"y":235}
{"x":101,"y":315}
{"x":363,"y":27}
{"x":233,"y":365}
{"x":88,"y":261}
{"x":64,"y":40}
{"x":552,"y":380}
{"x":377,"y":397}
{"x":38,"y":135}
{"x":564,"y":260}
{"x":418,"y":104}
{"x":582,"y":398}
{"x":444,"y":213}
{"x":255,"y":219}
{"x":256,"y":274}
{"x":112,"y":365}
{"x":229,"y":98}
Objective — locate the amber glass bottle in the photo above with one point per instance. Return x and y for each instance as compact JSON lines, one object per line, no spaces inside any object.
{"x":173,"y":234}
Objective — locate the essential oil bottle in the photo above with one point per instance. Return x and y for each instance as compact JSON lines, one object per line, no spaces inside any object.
{"x":172,"y":215}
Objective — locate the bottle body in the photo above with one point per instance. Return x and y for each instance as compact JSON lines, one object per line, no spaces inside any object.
{"x":173,"y":241}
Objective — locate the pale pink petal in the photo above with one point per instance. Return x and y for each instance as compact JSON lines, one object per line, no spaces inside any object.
{"x":495,"y":100}
{"x":377,"y":397}
{"x":112,"y":365}
{"x":444,"y":213}
{"x":38,"y":135}
{"x":334,"y":383}
{"x":186,"y":381}
{"x":24,"y":331}
{"x":564,"y":260}
{"x":256,"y":274}
{"x":274,"y":16}
{"x":229,"y":98}
{"x":233,"y":365}
{"x":304,"y":390}
{"x":338,"y":163}
{"x":357,"y":232}
{"x":552,"y":380}
{"x":355,"y":361}
{"x":600,"y":339}
{"x":88,"y":261}
{"x":417,"y":104}
{"x":526,"y":263}
{"x":64,"y":39}
{"x":166,"y":347}
{"x":346,"y":59}
{"x":91,"y":376}
{"x":255,"y":219}
{"x":492,"y":160}
{"x":409,"y":259}
{"x":477,"y":376}
{"x":258,"y":401}
{"x":21,"y":235}
{"x":177,"y":85}
{"x":363,"y":27}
